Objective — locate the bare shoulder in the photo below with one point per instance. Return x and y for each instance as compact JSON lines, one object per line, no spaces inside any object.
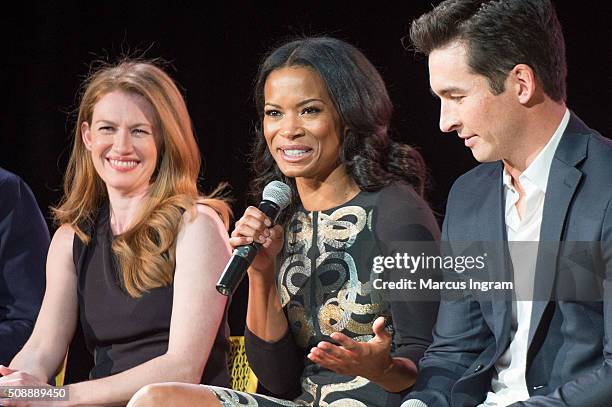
{"x":204,"y":222}
{"x":202,"y":238}
{"x":59,"y":260}
{"x":63,"y":238}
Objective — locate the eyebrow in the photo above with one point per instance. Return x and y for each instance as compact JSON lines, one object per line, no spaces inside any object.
{"x":114,"y":124}
{"x":302,"y":103}
{"x":104,"y":121}
{"x":446,"y":91}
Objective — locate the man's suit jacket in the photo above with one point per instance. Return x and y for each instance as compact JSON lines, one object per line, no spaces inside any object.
{"x":569,"y":361}
{"x":24,"y":240}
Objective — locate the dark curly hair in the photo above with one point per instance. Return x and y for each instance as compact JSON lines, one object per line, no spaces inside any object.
{"x":360,"y":97}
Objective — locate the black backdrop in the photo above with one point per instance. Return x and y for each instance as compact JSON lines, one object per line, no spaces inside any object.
{"x":214,"y":49}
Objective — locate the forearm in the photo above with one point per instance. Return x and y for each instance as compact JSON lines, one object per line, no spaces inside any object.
{"x":400,"y":375}
{"x":265,"y":316}
{"x":38,"y":359}
{"x":278,"y":365}
{"x":118,"y":389}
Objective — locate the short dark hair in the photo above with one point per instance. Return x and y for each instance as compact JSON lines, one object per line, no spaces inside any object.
{"x":360,"y":97}
{"x":498,"y":35}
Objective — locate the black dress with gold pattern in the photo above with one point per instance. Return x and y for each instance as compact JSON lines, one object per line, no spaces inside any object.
{"x":325,"y":286}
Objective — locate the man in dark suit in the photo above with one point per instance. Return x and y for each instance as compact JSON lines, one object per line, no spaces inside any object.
{"x":24,"y":240}
{"x":499,"y":70}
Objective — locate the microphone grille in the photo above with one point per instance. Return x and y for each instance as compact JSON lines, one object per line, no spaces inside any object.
{"x":277,"y":192}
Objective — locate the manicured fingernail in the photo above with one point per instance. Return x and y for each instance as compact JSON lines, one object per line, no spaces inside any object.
{"x":268,"y":222}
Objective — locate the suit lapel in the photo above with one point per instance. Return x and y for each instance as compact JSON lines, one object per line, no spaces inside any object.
{"x":494,"y":234}
{"x":563,"y":181}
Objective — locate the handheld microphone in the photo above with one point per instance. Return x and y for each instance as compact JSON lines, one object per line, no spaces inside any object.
{"x":276,"y":197}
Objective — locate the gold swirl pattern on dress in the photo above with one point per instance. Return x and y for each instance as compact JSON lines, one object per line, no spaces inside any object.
{"x":298,"y":242}
{"x":297,"y":263}
{"x":344,"y":300}
{"x":340,"y":263}
{"x":370,"y":216}
{"x":341,"y":309}
{"x":231,"y":398}
{"x":327,"y":389}
{"x":308,"y":386}
{"x":345,"y":403}
{"x":300,"y":322}
{"x":300,"y":318}
{"x":299,"y":236}
{"x":301,"y":284}
{"x":331,"y":312}
{"x":337,"y":232}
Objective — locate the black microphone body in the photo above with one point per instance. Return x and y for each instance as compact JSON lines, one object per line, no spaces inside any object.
{"x":243,"y":256}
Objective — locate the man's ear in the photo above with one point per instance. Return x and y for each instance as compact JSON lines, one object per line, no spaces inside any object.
{"x":523,"y":82}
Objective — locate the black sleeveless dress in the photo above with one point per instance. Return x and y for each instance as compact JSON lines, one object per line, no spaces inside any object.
{"x":120,"y":331}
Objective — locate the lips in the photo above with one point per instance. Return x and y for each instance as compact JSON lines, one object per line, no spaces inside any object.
{"x":122,"y":164}
{"x":469,"y":141}
{"x":295,"y":153}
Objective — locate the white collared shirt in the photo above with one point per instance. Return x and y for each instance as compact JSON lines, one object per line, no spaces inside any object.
{"x":509,"y":384}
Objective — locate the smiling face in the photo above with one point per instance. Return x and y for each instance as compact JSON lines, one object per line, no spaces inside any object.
{"x":122,"y":140}
{"x":301,"y":125}
{"x":488,"y":124}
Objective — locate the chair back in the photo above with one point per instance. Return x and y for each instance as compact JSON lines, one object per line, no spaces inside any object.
{"x":242,"y":377}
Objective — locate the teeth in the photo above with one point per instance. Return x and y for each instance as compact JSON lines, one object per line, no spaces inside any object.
{"x":295,"y":153}
{"x":123,"y":164}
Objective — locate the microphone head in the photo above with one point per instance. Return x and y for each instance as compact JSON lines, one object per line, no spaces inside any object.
{"x":277,"y":192}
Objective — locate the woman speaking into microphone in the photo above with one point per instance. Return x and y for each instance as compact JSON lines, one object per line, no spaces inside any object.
{"x":316,"y":331}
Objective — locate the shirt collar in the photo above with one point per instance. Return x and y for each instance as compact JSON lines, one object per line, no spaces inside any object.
{"x":538,"y":171}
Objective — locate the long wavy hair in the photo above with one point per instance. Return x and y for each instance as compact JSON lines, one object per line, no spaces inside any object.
{"x":372,"y":159}
{"x":146,"y":252}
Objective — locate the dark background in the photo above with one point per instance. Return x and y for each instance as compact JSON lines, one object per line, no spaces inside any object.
{"x":214,"y":50}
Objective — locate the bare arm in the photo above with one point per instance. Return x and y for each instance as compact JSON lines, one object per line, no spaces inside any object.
{"x":265,"y":317}
{"x":46,"y":348}
{"x":272,"y":353}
